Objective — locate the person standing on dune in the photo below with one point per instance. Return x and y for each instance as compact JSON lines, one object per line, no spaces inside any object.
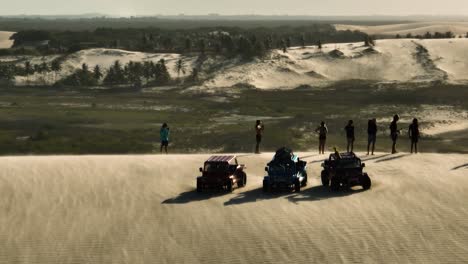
{"x":413,"y":133}
{"x":322,"y":130}
{"x":350,"y":136}
{"x":394,"y":132}
{"x":371,"y":135}
{"x":259,"y":128}
{"x":164,"y":137}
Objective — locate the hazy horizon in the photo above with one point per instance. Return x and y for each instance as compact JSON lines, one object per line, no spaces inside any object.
{"x":240,"y":7}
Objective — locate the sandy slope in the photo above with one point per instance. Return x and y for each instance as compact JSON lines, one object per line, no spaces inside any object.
{"x":416,"y":28}
{"x":143,"y":209}
{"x":5,"y":41}
{"x":402,"y":60}
{"x":102,"y":57}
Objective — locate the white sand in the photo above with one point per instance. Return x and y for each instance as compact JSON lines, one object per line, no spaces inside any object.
{"x":104,"y":58}
{"x":416,"y":28}
{"x":5,"y":42}
{"x":143,"y":209}
{"x":391,"y":61}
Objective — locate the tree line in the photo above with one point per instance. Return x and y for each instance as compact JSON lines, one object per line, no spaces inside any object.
{"x":134,"y":74}
{"x":429,"y":35}
{"x":229,"y":41}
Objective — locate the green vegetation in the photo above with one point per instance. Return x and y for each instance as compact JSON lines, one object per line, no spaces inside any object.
{"x":228,"y":41}
{"x":127,"y":120}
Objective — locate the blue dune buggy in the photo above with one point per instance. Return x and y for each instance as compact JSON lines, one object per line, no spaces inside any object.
{"x":285,"y":171}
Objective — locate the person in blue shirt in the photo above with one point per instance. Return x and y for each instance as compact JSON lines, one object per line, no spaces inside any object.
{"x":164,"y":136}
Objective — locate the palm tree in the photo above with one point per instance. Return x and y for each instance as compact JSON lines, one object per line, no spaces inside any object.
{"x":180,"y":67}
{"x":28,"y":69}
{"x":84,"y":67}
{"x":97,"y":73}
{"x":55,"y":67}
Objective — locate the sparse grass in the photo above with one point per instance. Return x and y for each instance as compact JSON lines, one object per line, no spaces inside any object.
{"x":60,"y":120}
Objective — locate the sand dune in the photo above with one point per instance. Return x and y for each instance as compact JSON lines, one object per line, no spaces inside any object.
{"x":5,"y":41}
{"x":416,"y":28}
{"x":403,"y":60}
{"x":143,"y":209}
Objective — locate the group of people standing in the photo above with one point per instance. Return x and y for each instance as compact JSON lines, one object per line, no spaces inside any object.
{"x":322,"y":131}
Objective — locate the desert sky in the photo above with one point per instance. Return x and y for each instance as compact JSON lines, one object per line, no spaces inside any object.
{"x":266,"y":7}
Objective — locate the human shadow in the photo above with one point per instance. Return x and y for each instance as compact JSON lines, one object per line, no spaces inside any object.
{"x":320,"y":192}
{"x":309,"y":156}
{"x":194,"y":196}
{"x":461,"y":167}
{"x":376,"y":157}
{"x":256,"y":195}
{"x":392,"y":158}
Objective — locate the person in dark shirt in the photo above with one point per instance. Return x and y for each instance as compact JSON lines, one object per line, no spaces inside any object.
{"x":322,"y":131}
{"x":413,"y":133}
{"x":259,"y":127}
{"x":371,"y":135}
{"x":350,"y":135}
{"x":394,"y":132}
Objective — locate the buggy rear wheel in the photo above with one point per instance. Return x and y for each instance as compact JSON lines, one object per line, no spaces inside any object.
{"x":304,"y":182}
{"x":365,"y":181}
{"x":199,"y":187}
{"x":297,"y":186}
{"x":335,"y":184}
{"x":242,"y":182}
{"x":266,"y":186}
{"x":325,"y":179}
{"x":229,"y":186}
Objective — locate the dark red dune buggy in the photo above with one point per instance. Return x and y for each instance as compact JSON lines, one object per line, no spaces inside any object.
{"x":221,"y":172}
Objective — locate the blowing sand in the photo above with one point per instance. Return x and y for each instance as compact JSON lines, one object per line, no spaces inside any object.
{"x":143,"y":209}
{"x":5,"y":42}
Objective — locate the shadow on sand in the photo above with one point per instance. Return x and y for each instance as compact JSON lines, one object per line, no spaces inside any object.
{"x":461,"y":167}
{"x":375,"y":157}
{"x":194,"y":196}
{"x":318,"y":193}
{"x":254,"y":195}
{"x":315,"y":193}
{"x":392,"y":158}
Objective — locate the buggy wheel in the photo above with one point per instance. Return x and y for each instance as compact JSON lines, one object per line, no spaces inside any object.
{"x":199,"y":187}
{"x":335,"y":184}
{"x":304,"y":182}
{"x":242,"y":182}
{"x":325,"y":179}
{"x":365,"y":181}
{"x":229,"y":186}
{"x":297,"y":186}
{"x":266,"y":186}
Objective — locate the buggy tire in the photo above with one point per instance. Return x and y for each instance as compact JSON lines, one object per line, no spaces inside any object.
{"x":335,"y":184}
{"x":199,"y":187}
{"x":266,"y":186}
{"x":229,"y":186}
{"x":365,"y":181}
{"x":242,"y":182}
{"x":297,"y":186}
{"x":325,"y":179}
{"x":304,"y":182}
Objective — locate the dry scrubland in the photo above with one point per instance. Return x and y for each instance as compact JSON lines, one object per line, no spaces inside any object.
{"x":143,"y":209}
